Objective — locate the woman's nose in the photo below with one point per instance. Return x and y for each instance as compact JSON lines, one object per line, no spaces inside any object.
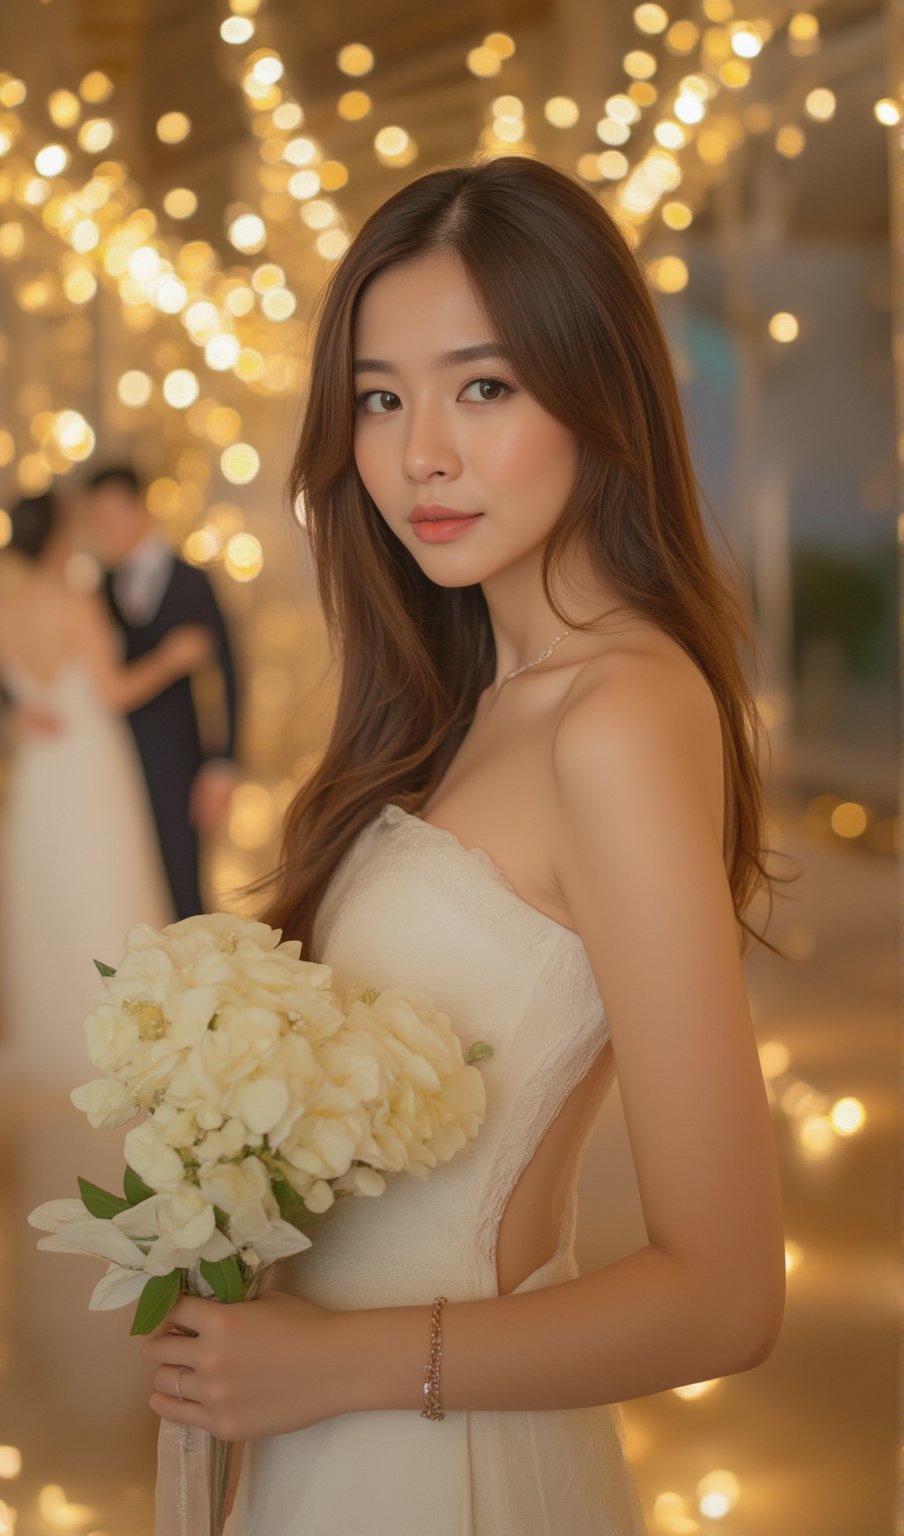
{"x":428,"y":446}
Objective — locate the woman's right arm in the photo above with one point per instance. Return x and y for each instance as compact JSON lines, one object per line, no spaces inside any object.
{"x":125,"y":686}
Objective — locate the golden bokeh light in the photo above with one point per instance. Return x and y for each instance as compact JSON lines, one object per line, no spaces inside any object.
{"x":669,"y":274}
{"x":803,"y":27}
{"x":300,"y":151}
{"x":237,"y":29}
{"x":639,"y":64}
{"x":79,"y":285}
{"x":221,"y":351}
{"x":52,"y":160}
{"x":717,"y":1493}
{"x":12,"y":91}
{"x":746,"y":40}
{"x":561,"y":111}
{"x":173,"y":127}
{"x":222,"y":425}
{"x":95,"y":87}
{"x":34,"y":474}
{"x":244,"y":557}
{"x":134,"y":388}
{"x":73,"y":436}
{"x":278,"y":304}
{"x":887,"y":111}
{"x":820,"y":104}
{"x":96,"y":134}
{"x":816,"y":1136}
{"x":790,"y":141}
{"x":784,"y":327}
{"x":240,"y":463}
{"x":64,"y":108}
{"x":848,"y":1116}
{"x":483,"y":62}
{"x":248,"y":233}
{"x":304,"y":184}
{"x":611,"y":132}
{"x":239,"y":300}
{"x":612,"y":164}
{"x":353,"y":105}
{"x":775,"y":1059}
{"x":181,"y":388}
{"x":677,"y":215}
{"x":355,"y":59}
{"x":651,"y":19}
{"x":501,"y":43}
{"x":202,"y":545}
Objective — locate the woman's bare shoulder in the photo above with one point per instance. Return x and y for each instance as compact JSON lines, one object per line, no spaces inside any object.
{"x":643,"y":705}
{"x":643,"y":675}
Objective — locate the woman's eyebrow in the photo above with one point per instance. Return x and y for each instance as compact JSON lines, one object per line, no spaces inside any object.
{"x":444,"y":360}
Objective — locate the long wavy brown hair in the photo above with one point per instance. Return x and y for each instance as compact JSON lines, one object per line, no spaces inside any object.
{"x":566,"y":295}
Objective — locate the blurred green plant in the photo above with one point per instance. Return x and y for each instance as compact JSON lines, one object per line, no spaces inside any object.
{"x":849,"y":598}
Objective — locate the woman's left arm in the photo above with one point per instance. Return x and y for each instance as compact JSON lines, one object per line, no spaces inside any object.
{"x":641,"y":868}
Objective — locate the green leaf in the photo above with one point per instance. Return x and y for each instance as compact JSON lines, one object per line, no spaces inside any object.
{"x":224,"y":1278}
{"x":478,"y":1051}
{"x":99,"y":1202}
{"x":134,"y":1188}
{"x":105,"y":970}
{"x":158,"y":1296}
{"x":291,"y":1206}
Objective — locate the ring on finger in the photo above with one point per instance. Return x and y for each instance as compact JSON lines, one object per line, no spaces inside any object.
{"x":179,"y":1393}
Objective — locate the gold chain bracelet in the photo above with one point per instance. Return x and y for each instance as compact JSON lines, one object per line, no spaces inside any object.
{"x":431,"y":1409}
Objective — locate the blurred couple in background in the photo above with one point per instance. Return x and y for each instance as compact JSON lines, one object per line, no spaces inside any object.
{"x":109,"y":784}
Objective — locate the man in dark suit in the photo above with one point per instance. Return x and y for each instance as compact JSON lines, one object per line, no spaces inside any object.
{"x":149,"y":590}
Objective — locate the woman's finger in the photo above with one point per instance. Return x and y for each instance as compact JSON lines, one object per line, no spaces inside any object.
{"x":182,"y":1411}
{"x":171,"y":1348}
{"x":194,"y":1312}
{"x":176,"y":1381}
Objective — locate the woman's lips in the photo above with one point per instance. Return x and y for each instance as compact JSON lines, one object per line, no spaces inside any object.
{"x":438,"y":531}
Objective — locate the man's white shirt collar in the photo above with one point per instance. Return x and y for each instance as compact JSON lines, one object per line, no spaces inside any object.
{"x":140,"y":582}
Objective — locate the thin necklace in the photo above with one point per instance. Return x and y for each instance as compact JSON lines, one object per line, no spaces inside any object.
{"x":537,"y":659}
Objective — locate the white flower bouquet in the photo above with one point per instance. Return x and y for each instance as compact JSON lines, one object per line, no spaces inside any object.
{"x":265,"y":1099}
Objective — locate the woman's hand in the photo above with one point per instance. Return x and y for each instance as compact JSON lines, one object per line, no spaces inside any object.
{"x":189,"y":648}
{"x":249,"y":1368}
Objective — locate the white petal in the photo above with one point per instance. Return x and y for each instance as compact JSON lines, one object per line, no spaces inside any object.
{"x":279,"y":1241}
{"x":217,"y":1247}
{"x":52,"y":1213}
{"x":97,"y":1237}
{"x":117,"y":1288}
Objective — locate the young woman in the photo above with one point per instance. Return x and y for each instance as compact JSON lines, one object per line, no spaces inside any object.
{"x":540,"y":803}
{"x":79,"y":858}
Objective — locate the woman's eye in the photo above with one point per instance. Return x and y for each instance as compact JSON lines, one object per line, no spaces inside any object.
{"x":494,"y":384}
{"x":381,"y":394}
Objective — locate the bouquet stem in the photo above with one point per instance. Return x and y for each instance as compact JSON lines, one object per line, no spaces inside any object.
{"x":193,"y":1466}
{"x":192,"y":1481}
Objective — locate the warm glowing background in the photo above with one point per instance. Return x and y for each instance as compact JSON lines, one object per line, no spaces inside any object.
{"x":176,"y":179}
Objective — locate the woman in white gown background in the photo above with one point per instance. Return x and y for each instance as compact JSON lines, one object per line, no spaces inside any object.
{"x":79,"y":862}
{"x":79,"y":858}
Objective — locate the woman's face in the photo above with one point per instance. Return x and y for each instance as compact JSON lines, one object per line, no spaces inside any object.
{"x":462,"y":434}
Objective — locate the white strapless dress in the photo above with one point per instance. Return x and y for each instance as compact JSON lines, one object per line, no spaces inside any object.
{"x":79,"y":863}
{"x":410,"y":905}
